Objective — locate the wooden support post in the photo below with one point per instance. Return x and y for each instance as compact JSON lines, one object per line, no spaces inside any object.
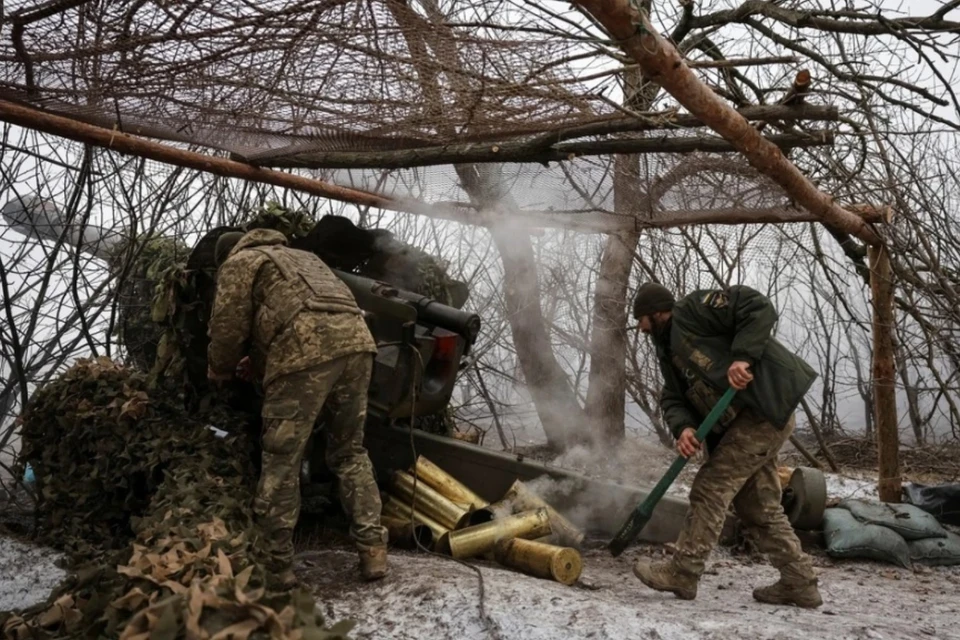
{"x":884,"y":389}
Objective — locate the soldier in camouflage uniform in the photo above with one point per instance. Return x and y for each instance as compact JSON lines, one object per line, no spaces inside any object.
{"x":705,"y":342}
{"x":281,"y":315}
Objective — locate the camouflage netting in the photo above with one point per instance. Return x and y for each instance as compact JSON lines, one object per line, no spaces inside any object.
{"x":141,"y":266}
{"x":155,"y":512}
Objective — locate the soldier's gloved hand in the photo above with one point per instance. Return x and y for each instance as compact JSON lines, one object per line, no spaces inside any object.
{"x":739,"y":375}
{"x":687,"y":443}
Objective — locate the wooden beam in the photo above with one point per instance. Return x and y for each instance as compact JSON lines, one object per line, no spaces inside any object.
{"x":884,"y":371}
{"x":542,"y":139}
{"x":605,"y":222}
{"x":124,"y":143}
{"x":663,"y":64}
{"x":526,"y":152}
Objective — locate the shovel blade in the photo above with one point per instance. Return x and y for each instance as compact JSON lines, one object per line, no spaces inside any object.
{"x":630,"y":530}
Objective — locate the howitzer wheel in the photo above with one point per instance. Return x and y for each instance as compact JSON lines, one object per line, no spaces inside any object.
{"x":809,"y":488}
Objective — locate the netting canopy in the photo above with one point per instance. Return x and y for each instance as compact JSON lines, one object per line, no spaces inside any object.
{"x":338,"y":85}
{"x":289,"y":75}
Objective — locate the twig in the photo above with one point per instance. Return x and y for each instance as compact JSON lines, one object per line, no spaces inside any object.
{"x":493,"y":410}
{"x":815,"y":426}
{"x":806,"y":452}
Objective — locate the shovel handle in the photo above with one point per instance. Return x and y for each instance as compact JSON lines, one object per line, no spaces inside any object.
{"x":641,"y":515}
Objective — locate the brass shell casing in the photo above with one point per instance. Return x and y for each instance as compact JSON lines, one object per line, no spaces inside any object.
{"x":561,"y":564}
{"x":480,"y":539}
{"x":406,"y":534}
{"x":446,"y":485}
{"x":520,"y":498}
{"x":429,"y":501}
{"x":394,"y":507}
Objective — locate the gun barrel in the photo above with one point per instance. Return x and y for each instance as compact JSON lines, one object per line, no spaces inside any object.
{"x":422,"y":308}
{"x":465,"y":323}
{"x":377,"y":297}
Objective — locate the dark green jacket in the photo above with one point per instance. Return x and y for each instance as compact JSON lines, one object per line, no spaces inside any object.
{"x":710,"y":330}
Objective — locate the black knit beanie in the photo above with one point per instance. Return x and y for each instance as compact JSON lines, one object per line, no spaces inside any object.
{"x":651,"y":298}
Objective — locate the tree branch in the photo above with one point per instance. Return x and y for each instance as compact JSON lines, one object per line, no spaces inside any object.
{"x":852,"y":22}
{"x":545,"y":139}
{"x":663,"y":64}
{"x":534,"y":151}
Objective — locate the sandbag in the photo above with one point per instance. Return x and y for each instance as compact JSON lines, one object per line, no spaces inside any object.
{"x":909,"y":521}
{"x":942,"y":501}
{"x":942,"y":552}
{"x":847,"y":537}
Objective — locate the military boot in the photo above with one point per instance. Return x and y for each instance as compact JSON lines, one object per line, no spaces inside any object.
{"x":373,"y":561}
{"x":800,"y":590}
{"x":665,"y":576}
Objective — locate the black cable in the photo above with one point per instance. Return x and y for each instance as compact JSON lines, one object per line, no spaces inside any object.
{"x":488,"y":621}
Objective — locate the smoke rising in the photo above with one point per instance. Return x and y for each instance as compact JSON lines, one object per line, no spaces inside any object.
{"x":600,"y":505}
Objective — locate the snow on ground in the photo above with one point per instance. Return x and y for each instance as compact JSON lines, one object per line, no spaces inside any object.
{"x":432,"y":597}
{"x":851,"y":485}
{"x":27,"y":574}
{"x":427,"y":596}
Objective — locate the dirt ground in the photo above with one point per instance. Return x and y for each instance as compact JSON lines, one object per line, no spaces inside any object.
{"x":432,"y":597}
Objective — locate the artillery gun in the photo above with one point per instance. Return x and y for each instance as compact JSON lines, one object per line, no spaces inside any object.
{"x":422,"y":341}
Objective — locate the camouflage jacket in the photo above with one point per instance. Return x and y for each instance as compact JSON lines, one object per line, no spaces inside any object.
{"x":283,"y":307}
{"x":710,"y":330}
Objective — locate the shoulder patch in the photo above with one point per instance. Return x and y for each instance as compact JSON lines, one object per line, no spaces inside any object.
{"x":715,"y":299}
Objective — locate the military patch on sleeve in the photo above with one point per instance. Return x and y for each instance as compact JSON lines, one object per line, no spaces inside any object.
{"x":716,"y":299}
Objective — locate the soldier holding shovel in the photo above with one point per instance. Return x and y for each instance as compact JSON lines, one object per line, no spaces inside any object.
{"x":706,"y":341}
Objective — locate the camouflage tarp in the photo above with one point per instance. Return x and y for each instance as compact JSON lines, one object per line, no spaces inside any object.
{"x":155,"y":511}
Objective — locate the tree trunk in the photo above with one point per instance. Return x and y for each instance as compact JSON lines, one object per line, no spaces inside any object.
{"x":885,"y":393}
{"x":554,"y":399}
{"x":552,"y":395}
{"x":607,"y":386}
{"x":913,"y":395}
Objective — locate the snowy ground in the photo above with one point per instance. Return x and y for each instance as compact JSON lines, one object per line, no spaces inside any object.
{"x":27,"y":574}
{"x":852,"y":484}
{"x":432,"y":597}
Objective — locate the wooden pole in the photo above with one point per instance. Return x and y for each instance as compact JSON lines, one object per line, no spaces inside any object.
{"x":140,"y":147}
{"x":663,"y":64}
{"x":795,"y":441}
{"x":884,"y":390}
{"x":538,"y":151}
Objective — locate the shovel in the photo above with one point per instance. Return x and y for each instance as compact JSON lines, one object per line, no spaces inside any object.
{"x":641,"y":515}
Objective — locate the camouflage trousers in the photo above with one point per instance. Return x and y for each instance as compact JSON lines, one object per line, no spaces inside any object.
{"x":742,"y":470}
{"x":291,"y":406}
